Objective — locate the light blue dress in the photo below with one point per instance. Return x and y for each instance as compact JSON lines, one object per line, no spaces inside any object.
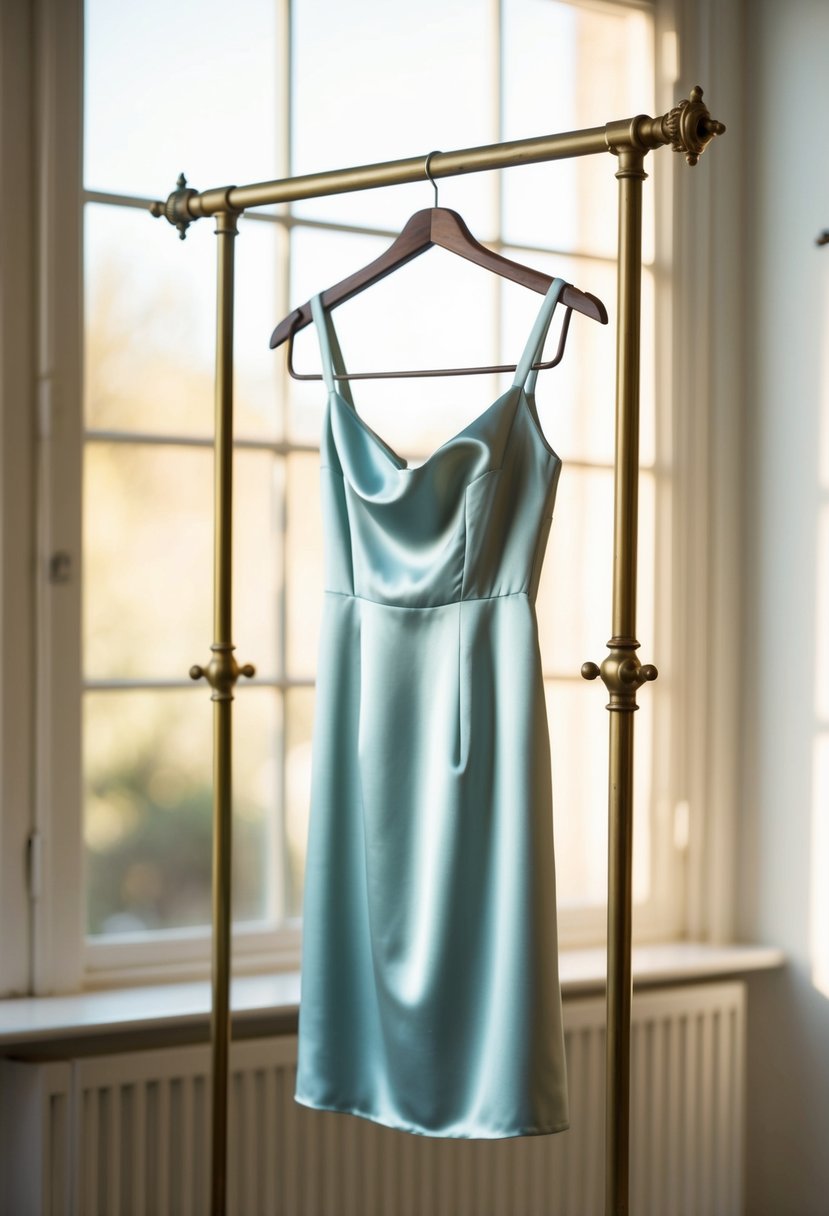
{"x":430,"y":995}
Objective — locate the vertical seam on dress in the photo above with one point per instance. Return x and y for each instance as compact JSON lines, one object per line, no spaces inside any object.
{"x":465,"y":536}
{"x":459,"y":757}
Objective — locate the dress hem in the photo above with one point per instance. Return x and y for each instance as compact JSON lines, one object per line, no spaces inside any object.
{"x":419,"y":1131}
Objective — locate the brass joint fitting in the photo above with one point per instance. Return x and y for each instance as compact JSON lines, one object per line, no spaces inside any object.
{"x":222,"y":672}
{"x":621,"y":673}
{"x":626,"y":136}
{"x":185,"y":205}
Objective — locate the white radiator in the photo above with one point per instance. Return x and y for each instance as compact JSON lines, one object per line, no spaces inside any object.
{"x":127,"y":1134}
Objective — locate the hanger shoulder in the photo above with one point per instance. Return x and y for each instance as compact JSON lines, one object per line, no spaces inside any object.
{"x":584,"y":302}
{"x":450,"y":232}
{"x":446,"y":228}
{"x":293,"y":323}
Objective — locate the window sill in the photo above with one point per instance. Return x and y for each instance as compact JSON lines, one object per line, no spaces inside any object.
{"x":168,"y":1014}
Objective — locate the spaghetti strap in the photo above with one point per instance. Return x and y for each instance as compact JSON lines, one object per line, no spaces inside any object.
{"x":332,"y":358}
{"x":525,"y":376}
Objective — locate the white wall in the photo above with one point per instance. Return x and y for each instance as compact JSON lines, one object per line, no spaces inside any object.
{"x":784,"y":829}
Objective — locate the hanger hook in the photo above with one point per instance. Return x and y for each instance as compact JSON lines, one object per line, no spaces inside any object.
{"x":428,"y":174}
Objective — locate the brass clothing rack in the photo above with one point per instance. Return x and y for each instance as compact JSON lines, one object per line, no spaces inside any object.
{"x":688,"y":128}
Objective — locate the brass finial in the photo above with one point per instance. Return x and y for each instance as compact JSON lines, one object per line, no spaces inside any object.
{"x":176,"y":210}
{"x":688,"y":127}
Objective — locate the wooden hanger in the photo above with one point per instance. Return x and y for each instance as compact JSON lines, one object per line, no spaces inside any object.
{"x":443,"y":227}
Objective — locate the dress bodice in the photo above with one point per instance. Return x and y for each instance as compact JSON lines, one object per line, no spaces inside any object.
{"x":470,"y":522}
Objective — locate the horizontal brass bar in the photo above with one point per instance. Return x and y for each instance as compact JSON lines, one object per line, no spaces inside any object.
{"x":688,"y":127}
{"x":398,"y":172}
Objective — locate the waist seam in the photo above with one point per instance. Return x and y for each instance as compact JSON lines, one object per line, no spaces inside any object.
{"x":472,"y":599}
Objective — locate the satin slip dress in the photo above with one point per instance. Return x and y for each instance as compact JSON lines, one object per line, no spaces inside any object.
{"x":430,"y":996}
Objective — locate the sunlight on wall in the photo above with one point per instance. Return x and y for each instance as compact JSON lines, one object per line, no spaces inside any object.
{"x":819,"y":910}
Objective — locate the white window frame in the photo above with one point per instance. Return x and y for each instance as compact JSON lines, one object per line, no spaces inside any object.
{"x":17,"y":447}
{"x":40,"y":516}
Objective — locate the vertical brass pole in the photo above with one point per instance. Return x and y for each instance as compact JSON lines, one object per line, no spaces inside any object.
{"x":622,"y":674}
{"x":619,"y":893}
{"x":223,"y":698}
{"x":220,"y":1028}
{"x":630,"y":174}
{"x":688,"y":127}
{"x":223,"y":703}
{"x":222,"y":673}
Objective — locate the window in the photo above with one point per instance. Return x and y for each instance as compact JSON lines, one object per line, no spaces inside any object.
{"x":300,"y":103}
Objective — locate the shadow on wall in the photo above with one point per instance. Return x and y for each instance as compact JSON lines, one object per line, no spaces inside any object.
{"x":787,"y":1098}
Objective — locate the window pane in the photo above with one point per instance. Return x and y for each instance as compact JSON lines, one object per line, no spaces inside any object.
{"x":257,"y":802}
{"x":318,"y":260}
{"x":148,"y":559}
{"x":438,"y":311}
{"x":568,"y":67}
{"x":258,"y":540}
{"x":576,"y":399}
{"x":574,"y":594}
{"x":575,"y":590}
{"x":180,"y":86}
{"x":374,"y":82}
{"x":148,"y":808}
{"x":261,"y":252}
{"x":400,"y":87}
{"x":299,"y":705}
{"x":151,"y":321}
{"x":304,"y":564}
{"x":579,"y":746}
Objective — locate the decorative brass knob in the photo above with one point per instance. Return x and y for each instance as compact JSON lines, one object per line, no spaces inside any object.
{"x":620,"y":671}
{"x":631,"y":671}
{"x":222,"y":672}
{"x":176,"y":211}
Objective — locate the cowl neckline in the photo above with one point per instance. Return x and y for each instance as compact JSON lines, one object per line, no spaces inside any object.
{"x":399,"y":462}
